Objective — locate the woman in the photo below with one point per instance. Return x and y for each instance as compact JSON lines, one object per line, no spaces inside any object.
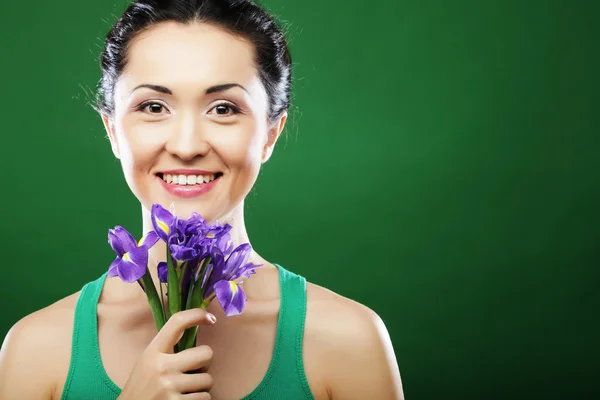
{"x":194,"y":96}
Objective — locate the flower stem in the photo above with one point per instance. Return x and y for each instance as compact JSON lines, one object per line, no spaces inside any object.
{"x":162,"y":304}
{"x":173,"y":290}
{"x":188,"y":340}
{"x":155,"y":303}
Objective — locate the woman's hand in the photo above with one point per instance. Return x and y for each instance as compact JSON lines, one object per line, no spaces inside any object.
{"x":159,"y":374}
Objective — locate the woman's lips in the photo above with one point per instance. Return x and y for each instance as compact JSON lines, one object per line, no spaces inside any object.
{"x":188,"y":191}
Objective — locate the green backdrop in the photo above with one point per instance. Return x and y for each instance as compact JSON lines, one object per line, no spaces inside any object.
{"x":441,"y":167}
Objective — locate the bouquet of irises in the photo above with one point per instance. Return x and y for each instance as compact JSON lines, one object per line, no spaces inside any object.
{"x":201,"y":265}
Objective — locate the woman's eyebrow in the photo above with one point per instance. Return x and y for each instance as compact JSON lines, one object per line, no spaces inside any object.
{"x":221,"y":88}
{"x":156,"y":88}
{"x":210,"y":90}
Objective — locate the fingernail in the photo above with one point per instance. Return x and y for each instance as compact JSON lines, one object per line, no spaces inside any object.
{"x":212,"y":318}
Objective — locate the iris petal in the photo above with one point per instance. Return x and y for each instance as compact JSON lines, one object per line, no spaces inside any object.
{"x":245,"y":271}
{"x":162,"y":272}
{"x":217,"y":265}
{"x":120,"y":240}
{"x":183,"y":253}
{"x":238,"y":257}
{"x":225,"y":244}
{"x":148,"y":240}
{"x":231,"y":297}
{"x":134,"y":264}
{"x":113,"y":270}
{"x":162,"y":220}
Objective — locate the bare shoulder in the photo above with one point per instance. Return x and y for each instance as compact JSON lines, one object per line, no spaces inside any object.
{"x":352,"y":345}
{"x":341,"y":322}
{"x":36,"y":351}
{"x":332,"y":309}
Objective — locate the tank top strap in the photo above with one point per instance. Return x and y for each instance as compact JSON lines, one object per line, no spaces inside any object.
{"x":84,"y":367}
{"x":286,"y":376}
{"x":293,"y":310}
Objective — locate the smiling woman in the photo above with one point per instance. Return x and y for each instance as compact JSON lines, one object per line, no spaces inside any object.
{"x":194,"y":96}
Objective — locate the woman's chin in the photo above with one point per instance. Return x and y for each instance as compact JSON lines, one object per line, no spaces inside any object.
{"x":210,"y":210}
{"x":185,"y":209}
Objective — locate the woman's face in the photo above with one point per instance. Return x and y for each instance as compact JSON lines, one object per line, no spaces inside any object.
{"x":190,"y":108}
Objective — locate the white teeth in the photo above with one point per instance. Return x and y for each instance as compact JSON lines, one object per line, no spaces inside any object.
{"x":188,"y":180}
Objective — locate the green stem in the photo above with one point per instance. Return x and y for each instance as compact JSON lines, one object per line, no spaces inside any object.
{"x":194,"y":300}
{"x":183,"y":342}
{"x":162,"y":304}
{"x":173,"y":289}
{"x":155,"y":303}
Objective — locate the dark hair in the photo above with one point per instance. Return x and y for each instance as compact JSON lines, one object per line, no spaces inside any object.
{"x":242,"y":18}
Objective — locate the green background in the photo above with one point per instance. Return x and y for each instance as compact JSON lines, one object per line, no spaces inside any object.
{"x":441,"y":167}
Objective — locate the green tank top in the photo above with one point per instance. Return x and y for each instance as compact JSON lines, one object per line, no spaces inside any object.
{"x":285,"y":378}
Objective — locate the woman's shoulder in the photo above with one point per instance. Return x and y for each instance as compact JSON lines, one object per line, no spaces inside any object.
{"x":332,"y":321}
{"x":343,"y":337}
{"x":36,"y":350}
{"x":333,"y":315}
{"x":46,"y":322}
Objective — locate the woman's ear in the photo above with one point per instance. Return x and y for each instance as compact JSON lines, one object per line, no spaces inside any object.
{"x":273,"y":134}
{"x":109,"y":125}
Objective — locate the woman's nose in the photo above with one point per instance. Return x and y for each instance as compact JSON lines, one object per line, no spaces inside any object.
{"x":187,"y":140}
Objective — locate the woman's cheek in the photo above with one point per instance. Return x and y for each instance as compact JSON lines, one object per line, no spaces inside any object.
{"x":144,"y":142}
{"x":237,"y":147}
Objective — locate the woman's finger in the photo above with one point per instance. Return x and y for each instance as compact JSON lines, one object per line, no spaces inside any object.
{"x":193,"y":383}
{"x":196,"y":396}
{"x":171,"y":333}
{"x":192,"y":359}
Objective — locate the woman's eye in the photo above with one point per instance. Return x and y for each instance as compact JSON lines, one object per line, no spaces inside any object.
{"x":155,"y":108}
{"x":152,"y":108}
{"x":226,"y":109}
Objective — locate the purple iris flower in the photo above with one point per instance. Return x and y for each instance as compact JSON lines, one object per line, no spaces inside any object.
{"x":132,"y":258}
{"x":190,"y":241}
{"x":221,"y":283}
{"x":185,"y":243}
{"x":192,"y":238}
{"x":162,"y":220}
{"x":162,"y":272}
{"x":225,"y":244}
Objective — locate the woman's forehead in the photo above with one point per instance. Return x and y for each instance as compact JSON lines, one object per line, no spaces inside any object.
{"x":195,"y":54}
